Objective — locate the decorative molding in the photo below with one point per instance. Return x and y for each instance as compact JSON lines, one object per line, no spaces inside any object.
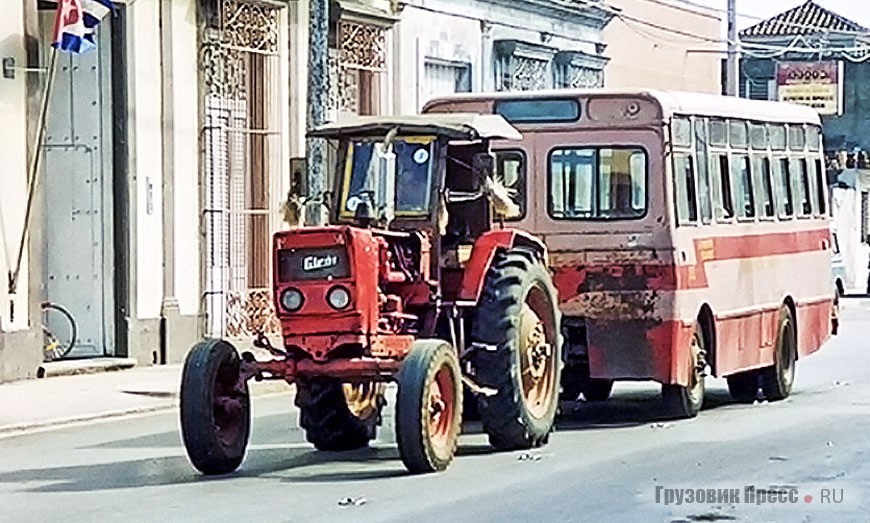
{"x":358,"y":11}
{"x":573,"y":13}
{"x":523,"y":49}
{"x":581,"y":59}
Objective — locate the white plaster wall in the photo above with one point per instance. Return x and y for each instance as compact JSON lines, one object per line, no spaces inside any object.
{"x":423,"y":35}
{"x":145,"y":158}
{"x":452,"y":30}
{"x":645,"y":56}
{"x":13,"y":165}
{"x":185,"y":118}
{"x":846,"y":207}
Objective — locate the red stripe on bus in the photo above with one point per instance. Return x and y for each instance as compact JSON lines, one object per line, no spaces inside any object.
{"x":726,"y":248}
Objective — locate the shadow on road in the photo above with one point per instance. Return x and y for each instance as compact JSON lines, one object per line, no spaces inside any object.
{"x":627,"y":410}
{"x":274,"y":458}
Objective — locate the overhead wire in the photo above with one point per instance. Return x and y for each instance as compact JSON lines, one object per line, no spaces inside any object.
{"x":798,"y":44}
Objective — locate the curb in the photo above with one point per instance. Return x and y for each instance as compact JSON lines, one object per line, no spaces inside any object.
{"x":20,"y":429}
{"x":90,"y":366}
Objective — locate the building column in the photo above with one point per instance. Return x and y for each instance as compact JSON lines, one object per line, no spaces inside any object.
{"x":318,"y":95}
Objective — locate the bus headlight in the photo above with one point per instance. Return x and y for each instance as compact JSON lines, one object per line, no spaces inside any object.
{"x":338,"y":297}
{"x":292,"y":300}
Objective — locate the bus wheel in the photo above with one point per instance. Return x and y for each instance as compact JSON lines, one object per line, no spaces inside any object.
{"x":743,"y":386}
{"x":598,"y":390}
{"x":777,"y":380}
{"x":686,"y":401}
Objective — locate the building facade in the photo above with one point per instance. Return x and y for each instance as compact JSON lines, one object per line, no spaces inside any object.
{"x":450,"y":46}
{"x":664,"y":44}
{"x":170,"y":148}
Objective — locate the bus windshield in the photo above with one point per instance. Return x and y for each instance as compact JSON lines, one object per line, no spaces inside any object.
{"x":598,"y":183}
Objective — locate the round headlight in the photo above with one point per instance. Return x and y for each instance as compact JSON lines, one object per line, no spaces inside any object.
{"x":292,"y":300}
{"x":338,"y":298}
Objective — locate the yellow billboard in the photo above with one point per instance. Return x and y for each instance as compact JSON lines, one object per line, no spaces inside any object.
{"x":815,"y":84}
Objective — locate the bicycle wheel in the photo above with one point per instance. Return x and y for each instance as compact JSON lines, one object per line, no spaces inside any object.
{"x":57,"y":320}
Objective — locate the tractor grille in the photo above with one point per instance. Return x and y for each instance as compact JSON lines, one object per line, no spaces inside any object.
{"x":313,"y":264}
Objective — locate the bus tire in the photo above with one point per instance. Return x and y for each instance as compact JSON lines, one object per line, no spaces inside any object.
{"x":778,"y":379}
{"x":743,"y":386}
{"x":597,"y":390}
{"x":686,"y":401}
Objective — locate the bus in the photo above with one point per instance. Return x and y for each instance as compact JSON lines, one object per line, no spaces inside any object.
{"x":688,"y":234}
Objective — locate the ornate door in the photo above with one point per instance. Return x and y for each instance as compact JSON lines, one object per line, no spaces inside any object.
{"x":240,"y":61}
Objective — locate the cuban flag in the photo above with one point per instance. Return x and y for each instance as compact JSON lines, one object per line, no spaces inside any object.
{"x":76,"y":23}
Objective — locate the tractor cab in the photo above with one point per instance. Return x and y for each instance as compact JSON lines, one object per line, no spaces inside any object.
{"x":429,"y":173}
{"x":410,"y":282}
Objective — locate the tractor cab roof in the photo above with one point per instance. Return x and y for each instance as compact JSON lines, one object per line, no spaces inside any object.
{"x":454,"y":126}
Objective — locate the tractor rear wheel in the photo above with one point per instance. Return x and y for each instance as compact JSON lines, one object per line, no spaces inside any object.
{"x":339,"y":416}
{"x":215,"y":408}
{"x":429,"y":406}
{"x":518,"y":353}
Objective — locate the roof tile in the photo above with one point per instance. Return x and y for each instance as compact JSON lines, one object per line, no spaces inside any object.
{"x":806,"y":19}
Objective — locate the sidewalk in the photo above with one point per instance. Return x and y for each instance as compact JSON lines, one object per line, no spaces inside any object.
{"x":38,"y":403}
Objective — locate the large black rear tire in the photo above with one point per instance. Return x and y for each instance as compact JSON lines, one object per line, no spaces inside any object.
{"x":518,"y":350}
{"x":337,"y":417}
{"x":429,"y":407}
{"x":215,"y":408}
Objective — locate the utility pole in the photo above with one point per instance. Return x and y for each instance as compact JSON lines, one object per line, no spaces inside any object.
{"x":732,"y":69}
{"x":318,"y":95}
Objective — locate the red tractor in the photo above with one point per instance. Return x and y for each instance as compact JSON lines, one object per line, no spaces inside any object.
{"x":411,"y":283}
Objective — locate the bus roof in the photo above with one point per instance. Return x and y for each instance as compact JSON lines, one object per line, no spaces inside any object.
{"x":671,"y":103}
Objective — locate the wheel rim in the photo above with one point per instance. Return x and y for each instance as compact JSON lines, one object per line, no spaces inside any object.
{"x":786,"y":350}
{"x":698,"y":363}
{"x":537,"y":354}
{"x":228,"y":405}
{"x":440,"y":406}
{"x":363,"y":398}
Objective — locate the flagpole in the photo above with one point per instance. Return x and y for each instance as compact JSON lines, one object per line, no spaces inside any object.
{"x":33,"y":170}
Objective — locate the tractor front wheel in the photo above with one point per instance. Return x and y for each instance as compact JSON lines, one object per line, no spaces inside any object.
{"x":429,"y":406}
{"x":215,"y":408}
{"x":518,"y":352}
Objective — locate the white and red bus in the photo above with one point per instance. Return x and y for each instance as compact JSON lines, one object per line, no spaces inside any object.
{"x":688,"y":234}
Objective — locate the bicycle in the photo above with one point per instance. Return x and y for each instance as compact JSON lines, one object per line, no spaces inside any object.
{"x":54,"y":347}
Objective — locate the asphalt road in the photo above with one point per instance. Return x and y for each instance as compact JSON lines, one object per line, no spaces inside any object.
{"x":606,"y":463}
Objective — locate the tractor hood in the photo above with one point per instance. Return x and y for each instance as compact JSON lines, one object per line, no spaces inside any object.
{"x":455,"y":126}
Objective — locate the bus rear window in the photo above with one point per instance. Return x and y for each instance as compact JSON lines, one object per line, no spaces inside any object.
{"x":598,"y":183}
{"x":539,"y":111}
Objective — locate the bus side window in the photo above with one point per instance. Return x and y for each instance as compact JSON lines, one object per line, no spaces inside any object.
{"x":821,"y":192}
{"x":761,"y":167}
{"x":722,"y":187}
{"x":744,"y":195}
{"x":687,"y":197}
{"x":801,"y":181}
{"x":784,"y":198}
{"x":703,"y":168}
